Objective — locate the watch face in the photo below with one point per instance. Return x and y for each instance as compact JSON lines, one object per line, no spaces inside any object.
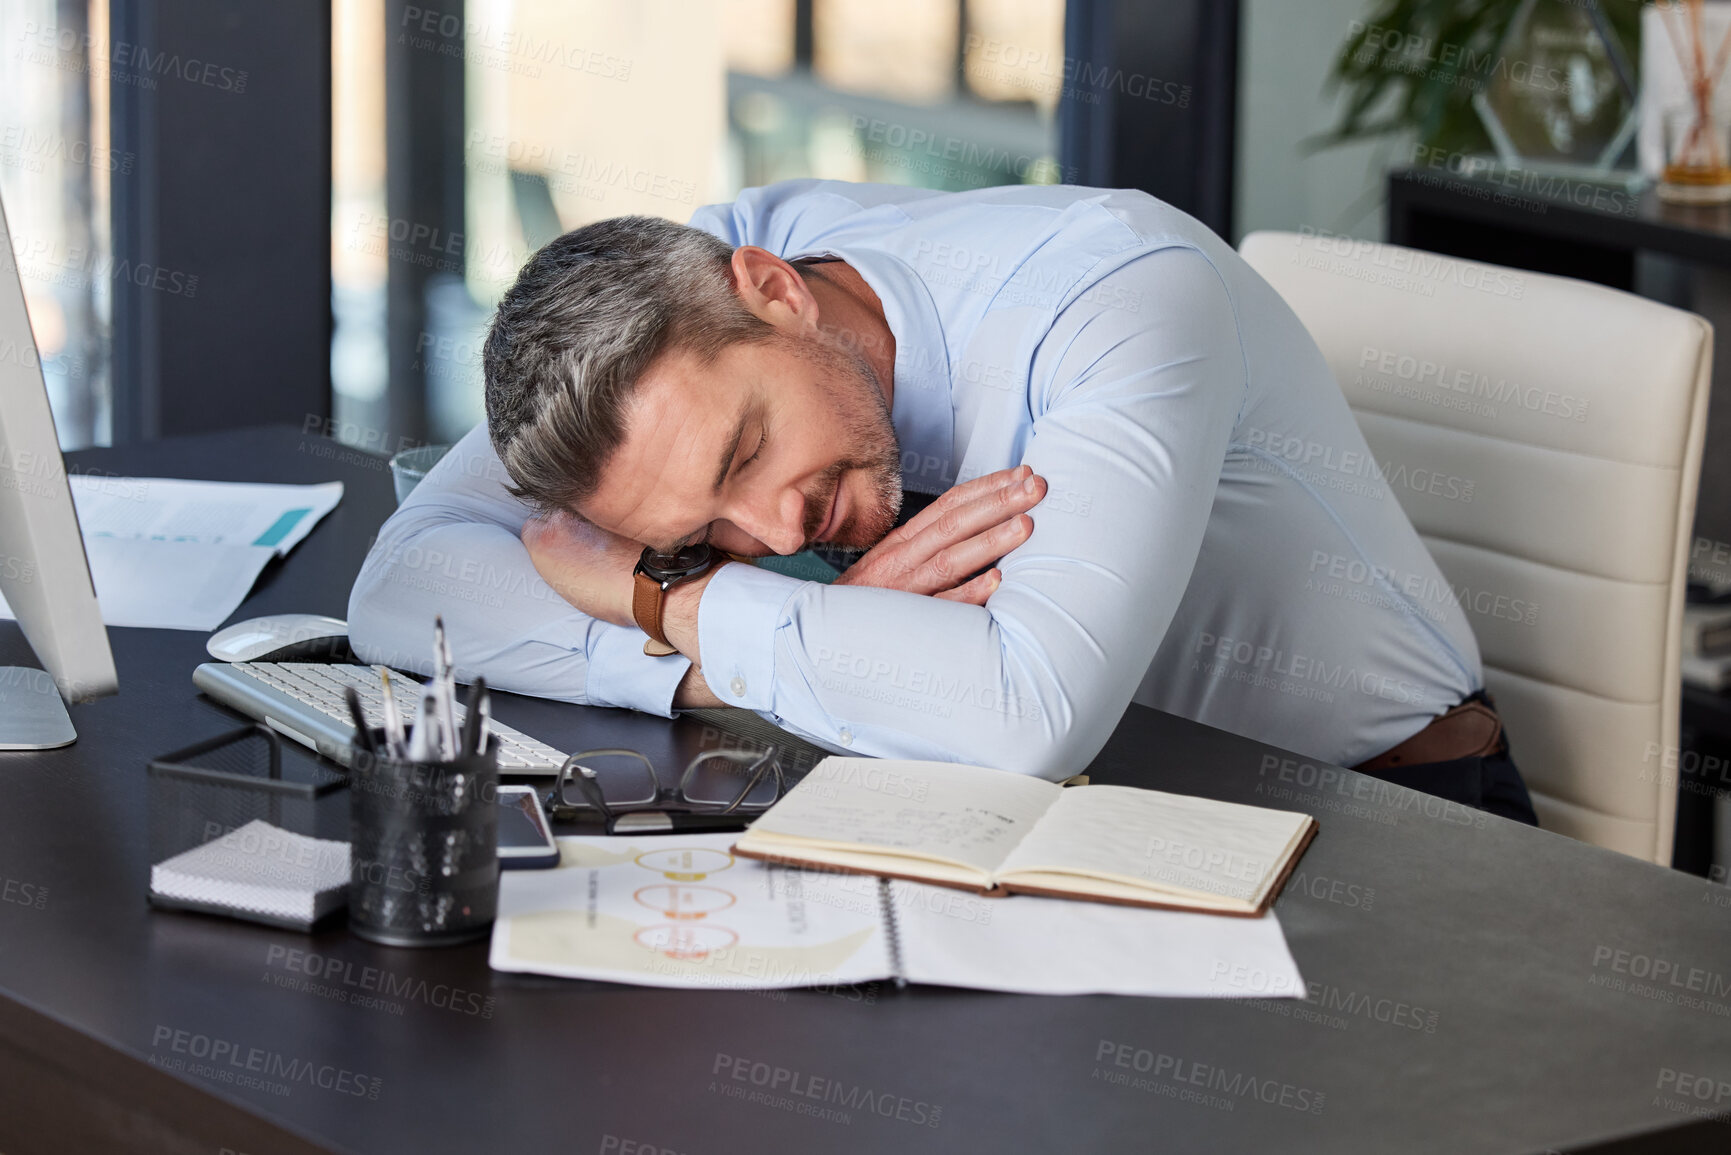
{"x":664,"y":567}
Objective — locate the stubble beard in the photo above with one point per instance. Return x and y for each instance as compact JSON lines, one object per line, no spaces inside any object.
{"x":872,"y":449}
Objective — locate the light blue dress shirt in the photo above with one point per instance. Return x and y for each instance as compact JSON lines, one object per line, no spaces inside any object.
{"x":1217,"y":540}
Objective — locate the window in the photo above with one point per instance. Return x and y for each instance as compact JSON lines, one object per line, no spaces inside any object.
{"x":575,"y":112}
{"x":56,"y":169}
{"x":949,"y":96}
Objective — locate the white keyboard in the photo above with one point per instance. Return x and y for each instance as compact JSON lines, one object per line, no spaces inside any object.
{"x":304,"y":701}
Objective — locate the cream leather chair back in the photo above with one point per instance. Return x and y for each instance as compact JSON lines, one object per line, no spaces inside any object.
{"x":1544,"y":435}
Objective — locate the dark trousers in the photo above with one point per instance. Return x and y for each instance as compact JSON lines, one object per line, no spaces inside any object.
{"x":1490,"y":783}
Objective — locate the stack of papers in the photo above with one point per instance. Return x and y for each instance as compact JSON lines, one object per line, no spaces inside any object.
{"x":258,"y":871}
{"x":181,"y":555}
{"x":688,"y":912}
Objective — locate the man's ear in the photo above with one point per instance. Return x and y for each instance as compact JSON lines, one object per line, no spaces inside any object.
{"x":772,"y":289}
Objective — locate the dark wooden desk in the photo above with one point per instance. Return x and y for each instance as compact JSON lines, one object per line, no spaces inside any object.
{"x":1476,"y":986}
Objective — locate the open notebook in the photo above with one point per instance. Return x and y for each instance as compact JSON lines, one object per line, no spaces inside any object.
{"x":681,"y":911}
{"x":997,"y":833}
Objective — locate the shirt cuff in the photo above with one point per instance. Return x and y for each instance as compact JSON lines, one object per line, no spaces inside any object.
{"x":741,"y":610}
{"x":621,"y":674}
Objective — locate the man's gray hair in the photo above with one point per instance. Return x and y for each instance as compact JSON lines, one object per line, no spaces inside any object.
{"x":586,"y":316}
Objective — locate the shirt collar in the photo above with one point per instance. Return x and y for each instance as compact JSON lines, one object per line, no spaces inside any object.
{"x":921,"y":408}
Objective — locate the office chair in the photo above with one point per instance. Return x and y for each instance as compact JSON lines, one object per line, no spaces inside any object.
{"x":1544,"y":436}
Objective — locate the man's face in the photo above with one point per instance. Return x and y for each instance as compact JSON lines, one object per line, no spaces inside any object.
{"x":773,"y":446}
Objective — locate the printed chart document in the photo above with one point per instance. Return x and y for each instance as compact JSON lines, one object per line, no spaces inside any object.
{"x":996,"y":832}
{"x":181,"y":555}
{"x":687,"y":912}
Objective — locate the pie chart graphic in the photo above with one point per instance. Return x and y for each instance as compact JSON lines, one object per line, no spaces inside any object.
{"x":682,"y":900}
{"x":689,"y":942}
{"x":685,"y":863}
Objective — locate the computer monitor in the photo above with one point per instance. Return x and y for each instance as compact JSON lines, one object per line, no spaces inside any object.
{"x":44,"y":574}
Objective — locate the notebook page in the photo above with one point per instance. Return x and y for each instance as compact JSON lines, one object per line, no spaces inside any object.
{"x":1165,"y":840}
{"x":1051,"y":946}
{"x":682,"y":911}
{"x":934,"y":810}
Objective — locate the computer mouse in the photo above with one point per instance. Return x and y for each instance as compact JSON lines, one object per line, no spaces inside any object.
{"x":283,"y":638}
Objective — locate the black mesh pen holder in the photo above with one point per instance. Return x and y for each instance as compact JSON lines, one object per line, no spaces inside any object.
{"x":423,"y":848}
{"x":222,"y":789}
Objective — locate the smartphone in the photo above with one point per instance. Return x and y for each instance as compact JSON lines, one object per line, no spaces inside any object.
{"x":525,"y":839}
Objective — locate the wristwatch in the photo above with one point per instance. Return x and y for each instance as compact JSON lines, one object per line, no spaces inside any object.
{"x":656,"y":573}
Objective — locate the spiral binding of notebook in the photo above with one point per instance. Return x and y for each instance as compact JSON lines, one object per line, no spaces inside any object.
{"x":892,"y":932}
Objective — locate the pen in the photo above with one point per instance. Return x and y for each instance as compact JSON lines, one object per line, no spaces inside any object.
{"x":475,"y":724}
{"x":445,"y":687}
{"x":486,"y":708}
{"x":424,"y":742}
{"x":363,"y":735}
{"x":394,"y":739}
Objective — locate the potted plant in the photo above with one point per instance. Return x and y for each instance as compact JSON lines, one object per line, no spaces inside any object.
{"x":1417,"y":65}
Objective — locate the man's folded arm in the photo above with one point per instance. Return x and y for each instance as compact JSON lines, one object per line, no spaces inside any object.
{"x":453,"y":550}
{"x":1134,"y":405}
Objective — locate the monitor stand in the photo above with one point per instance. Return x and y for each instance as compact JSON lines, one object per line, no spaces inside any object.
{"x":32,"y":716}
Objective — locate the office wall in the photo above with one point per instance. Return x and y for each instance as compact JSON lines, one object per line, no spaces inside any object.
{"x":1285,"y":50}
{"x":221,"y":280}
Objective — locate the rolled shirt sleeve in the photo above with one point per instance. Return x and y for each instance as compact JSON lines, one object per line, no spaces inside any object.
{"x":452,"y":550}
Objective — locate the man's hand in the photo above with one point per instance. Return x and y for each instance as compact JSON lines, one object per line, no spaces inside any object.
{"x":968,"y":528}
{"x":585,"y":565}
{"x":965,"y":530}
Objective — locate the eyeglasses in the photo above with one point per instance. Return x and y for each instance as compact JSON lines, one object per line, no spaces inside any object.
{"x":593,"y":801}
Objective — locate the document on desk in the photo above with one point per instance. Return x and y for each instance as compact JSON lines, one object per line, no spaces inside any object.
{"x":181,"y":555}
{"x":687,"y":912}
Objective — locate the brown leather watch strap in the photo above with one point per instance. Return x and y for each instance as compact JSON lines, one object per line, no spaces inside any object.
{"x":647,"y":602}
{"x":1470,"y":729}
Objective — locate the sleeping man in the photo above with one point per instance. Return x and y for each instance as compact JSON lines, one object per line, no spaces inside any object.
{"x":1059,"y":423}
